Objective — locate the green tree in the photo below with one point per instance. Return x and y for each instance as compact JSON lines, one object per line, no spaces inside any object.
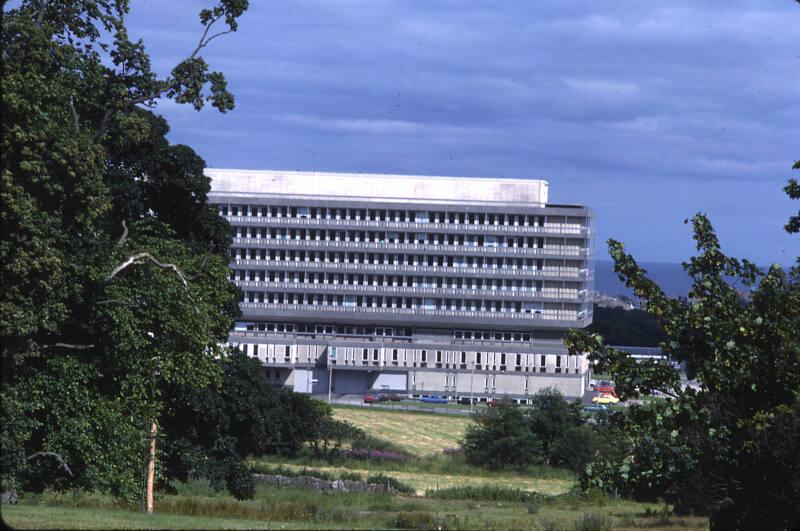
{"x":113,"y":263}
{"x":499,"y":437}
{"x":730,"y":447}
{"x":208,"y":431}
{"x":576,"y":447}
{"x":792,"y":189}
{"x":550,"y":417}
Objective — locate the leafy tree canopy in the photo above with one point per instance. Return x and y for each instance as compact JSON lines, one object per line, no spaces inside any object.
{"x":499,"y":437}
{"x":730,"y":447}
{"x":113,"y":264}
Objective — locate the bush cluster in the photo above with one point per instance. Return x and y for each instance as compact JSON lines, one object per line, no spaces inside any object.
{"x":379,"y":455}
{"x":483,"y":493}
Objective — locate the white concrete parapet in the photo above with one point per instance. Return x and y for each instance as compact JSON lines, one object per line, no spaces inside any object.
{"x":379,"y":186}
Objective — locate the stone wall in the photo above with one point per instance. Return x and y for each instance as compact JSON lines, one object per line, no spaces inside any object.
{"x":321,"y":484}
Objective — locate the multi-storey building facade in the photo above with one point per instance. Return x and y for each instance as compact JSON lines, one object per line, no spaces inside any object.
{"x":421,"y":285}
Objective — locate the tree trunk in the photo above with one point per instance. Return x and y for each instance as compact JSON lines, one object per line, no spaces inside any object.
{"x":151,"y":467}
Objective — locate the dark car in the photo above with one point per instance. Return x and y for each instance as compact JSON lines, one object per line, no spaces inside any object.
{"x":394,"y":397}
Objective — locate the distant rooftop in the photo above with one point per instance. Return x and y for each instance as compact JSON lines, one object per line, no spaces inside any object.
{"x":367,"y":185}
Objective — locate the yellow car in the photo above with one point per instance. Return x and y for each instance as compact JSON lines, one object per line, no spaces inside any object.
{"x":605,"y":399}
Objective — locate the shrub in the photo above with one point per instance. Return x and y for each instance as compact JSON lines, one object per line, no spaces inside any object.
{"x":380,"y":479}
{"x":350,"y":476}
{"x":414,"y":520}
{"x":534,"y":505}
{"x":482,"y":493}
{"x":501,"y":437}
{"x":425,"y":520}
{"x":364,"y":453}
{"x":594,"y":522}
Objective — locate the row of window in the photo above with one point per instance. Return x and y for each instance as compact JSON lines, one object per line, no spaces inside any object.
{"x":409,"y":216}
{"x":373,"y":331}
{"x":419,"y":238}
{"x":325,"y":329}
{"x":413,"y":303}
{"x":336,"y":257}
{"x":407,"y":281}
{"x":418,"y":358}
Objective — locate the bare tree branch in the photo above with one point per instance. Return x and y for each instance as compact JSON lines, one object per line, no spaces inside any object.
{"x":103,"y":124}
{"x":124,"y":237}
{"x":54,"y":456}
{"x":68,"y":345}
{"x":202,"y":43}
{"x":199,"y":269}
{"x":140,"y":258}
{"x":76,"y":124}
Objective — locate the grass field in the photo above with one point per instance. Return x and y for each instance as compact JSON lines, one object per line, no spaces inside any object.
{"x":421,"y":480}
{"x":44,"y":517}
{"x":423,"y":435}
{"x":295,"y":508}
{"x":419,"y":434}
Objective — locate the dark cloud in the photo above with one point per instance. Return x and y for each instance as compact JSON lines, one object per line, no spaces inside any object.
{"x":645,"y":111}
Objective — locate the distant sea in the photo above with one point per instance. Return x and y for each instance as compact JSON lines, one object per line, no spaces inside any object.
{"x":671,"y":277}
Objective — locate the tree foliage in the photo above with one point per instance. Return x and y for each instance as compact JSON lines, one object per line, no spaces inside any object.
{"x":730,"y":447}
{"x":113,"y":264}
{"x":550,"y":417}
{"x":792,"y":189}
{"x":499,"y":437}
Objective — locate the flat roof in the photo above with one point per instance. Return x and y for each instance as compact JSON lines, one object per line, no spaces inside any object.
{"x":378,"y":186}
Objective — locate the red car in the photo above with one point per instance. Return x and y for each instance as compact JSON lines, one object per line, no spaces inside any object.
{"x":606,"y":390}
{"x":371,"y":399}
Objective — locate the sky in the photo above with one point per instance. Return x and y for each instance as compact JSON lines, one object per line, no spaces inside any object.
{"x":647,"y":112}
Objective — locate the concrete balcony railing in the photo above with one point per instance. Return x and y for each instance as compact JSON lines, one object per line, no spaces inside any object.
{"x":547,"y":228}
{"x":290,"y":265}
{"x":537,"y":315}
{"x":552,"y":250}
{"x":510,"y":294}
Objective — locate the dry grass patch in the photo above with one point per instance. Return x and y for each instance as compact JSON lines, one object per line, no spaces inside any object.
{"x":418,"y":433}
{"x":422,"y":481}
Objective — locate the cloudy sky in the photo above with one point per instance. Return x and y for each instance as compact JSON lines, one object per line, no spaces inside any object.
{"x":645,"y":111}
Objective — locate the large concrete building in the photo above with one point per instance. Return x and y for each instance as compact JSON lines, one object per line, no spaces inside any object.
{"x":450,"y":286}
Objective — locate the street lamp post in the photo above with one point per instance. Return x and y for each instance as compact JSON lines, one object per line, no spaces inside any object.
{"x":472,"y":388}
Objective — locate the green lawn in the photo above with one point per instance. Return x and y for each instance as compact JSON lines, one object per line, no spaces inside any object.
{"x":424,"y":435}
{"x":294,"y":508}
{"x":422,"y":480}
{"x":45,"y":517}
{"x":417,"y":433}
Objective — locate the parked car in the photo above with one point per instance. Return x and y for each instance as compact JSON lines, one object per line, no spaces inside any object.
{"x":394,"y":397}
{"x":464,"y":400}
{"x":605,"y":399}
{"x":596,"y":408}
{"x":378,"y":396}
{"x":371,"y":399}
{"x":433,"y":399}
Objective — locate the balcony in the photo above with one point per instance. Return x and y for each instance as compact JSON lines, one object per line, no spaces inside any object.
{"x":322,"y":245}
{"x":548,"y":228}
{"x":570,"y":295}
{"x":538,"y":315}
{"x":297,"y":265}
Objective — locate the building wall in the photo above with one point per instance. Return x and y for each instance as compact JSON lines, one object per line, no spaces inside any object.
{"x":399,"y":278}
